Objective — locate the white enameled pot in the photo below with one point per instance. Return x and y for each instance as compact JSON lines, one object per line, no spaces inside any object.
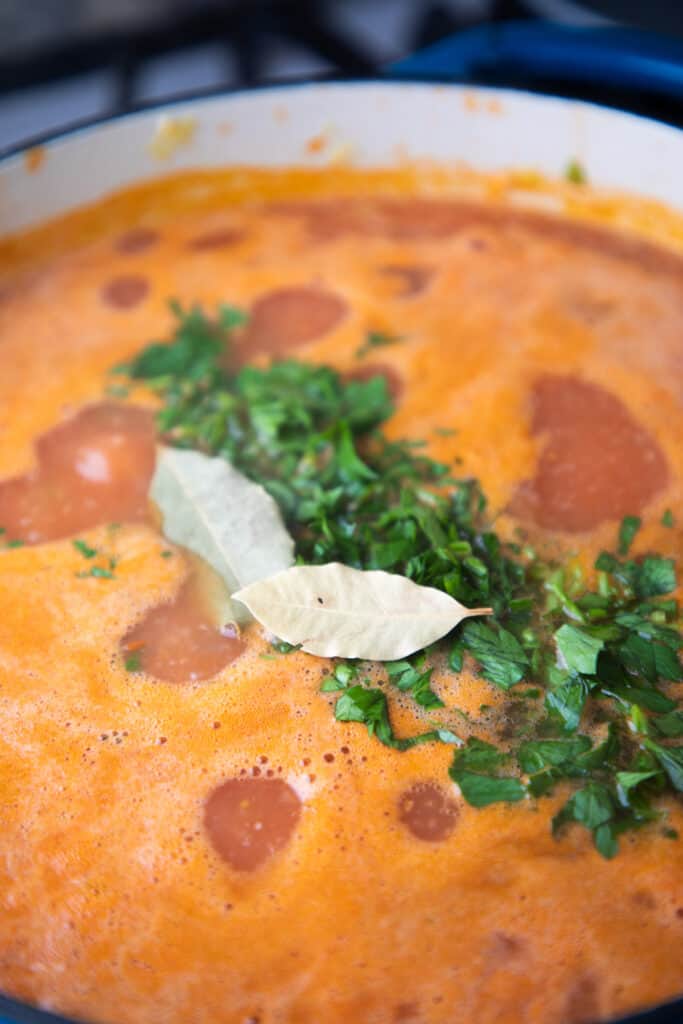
{"x":372,"y":123}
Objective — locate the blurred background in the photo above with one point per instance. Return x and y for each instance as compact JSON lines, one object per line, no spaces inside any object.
{"x":65,"y":61}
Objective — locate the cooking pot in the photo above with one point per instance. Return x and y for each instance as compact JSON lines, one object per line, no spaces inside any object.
{"x":375,"y":123}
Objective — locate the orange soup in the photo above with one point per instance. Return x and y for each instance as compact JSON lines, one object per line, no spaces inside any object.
{"x":188,"y":831}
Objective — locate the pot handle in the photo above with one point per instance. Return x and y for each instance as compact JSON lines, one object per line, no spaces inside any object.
{"x":616,"y":57}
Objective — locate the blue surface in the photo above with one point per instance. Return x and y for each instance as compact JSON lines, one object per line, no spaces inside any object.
{"x":614,"y":57}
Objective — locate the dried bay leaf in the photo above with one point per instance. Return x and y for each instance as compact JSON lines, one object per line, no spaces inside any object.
{"x":335,"y":611}
{"x":211,"y":509}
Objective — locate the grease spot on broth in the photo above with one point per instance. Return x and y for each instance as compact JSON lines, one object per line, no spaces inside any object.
{"x":428,"y":812}
{"x":597,"y":461}
{"x":125,"y":292}
{"x":136,"y":240}
{"x":404,"y":1012}
{"x":289,"y":317}
{"x":250,"y":819}
{"x":219,"y":238}
{"x":94,"y":468}
{"x":178,"y":641}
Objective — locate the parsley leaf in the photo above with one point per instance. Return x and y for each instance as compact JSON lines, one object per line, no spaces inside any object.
{"x":410,"y":680}
{"x":655,"y":575}
{"x":473,"y":770}
{"x":627,"y":531}
{"x":501,"y":657}
{"x":595,"y":808}
{"x":536,"y":755}
{"x":670,"y":725}
{"x":628,"y":781}
{"x":376,"y":339}
{"x":84,"y":549}
{"x":567,"y":701}
{"x":97,"y":572}
{"x":575,"y":173}
{"x":578,"y":649}
{"x":671,"y":760}
{"x":133,"y":662}
{"x":369,"y":706}
{"x":341,"y":677}
{"x":196,"y":344}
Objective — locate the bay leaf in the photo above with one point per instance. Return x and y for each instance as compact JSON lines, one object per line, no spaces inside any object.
{"x":335,"y":611}
{"x":210,"y":508}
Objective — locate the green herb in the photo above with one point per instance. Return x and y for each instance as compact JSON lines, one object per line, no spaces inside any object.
{"x":97,"y":572}
{"x":595,"y":808}
{"x":197,"y":343}
{"x":575,"y":173}
{"x":282,"y":647}
{"x":341,"y":678}
{"x":603,"y":650}
{"x":410,"y":679}
{"x":501,"y":657}
{"x":670,"y":725}
{"x":133,"y":662}
{"x":376,"y":339}
{"x":629,"y":781}
{"x":655,"y":576}
{"x":369,"y":706}
{"x":475,"y":769}
{"x":15,"y":544}
{"x":535,"y":755}
{"x":578,"y":649}
{"x":627,"y":531}
{"x":456,"y":656}
{"x":84,"y":549}
{"x":166,"y":553}
{"x":668,"y":518}
{"x":671,"y":760}
{"x":331,"y":685}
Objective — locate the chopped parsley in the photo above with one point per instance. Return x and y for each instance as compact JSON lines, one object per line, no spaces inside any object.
{"x":627,"y":531}
{"x":600,"y":652}
{"x":575,"y":173}
{"x":9,"y":543}
{"x":133,"y":662}
{"x":578,"y":649}
{"x":476,"y":769}
{"x":501,"y":657}
{"x":369,"y":706}
{"x":342,"y":675}
{"x":413,"y":678}
{"x":96,"y":572}
{"x":376,"y":339}
{"x":84,"y":549}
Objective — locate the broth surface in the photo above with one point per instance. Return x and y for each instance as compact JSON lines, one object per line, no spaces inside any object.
{"x":194,"y":837}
